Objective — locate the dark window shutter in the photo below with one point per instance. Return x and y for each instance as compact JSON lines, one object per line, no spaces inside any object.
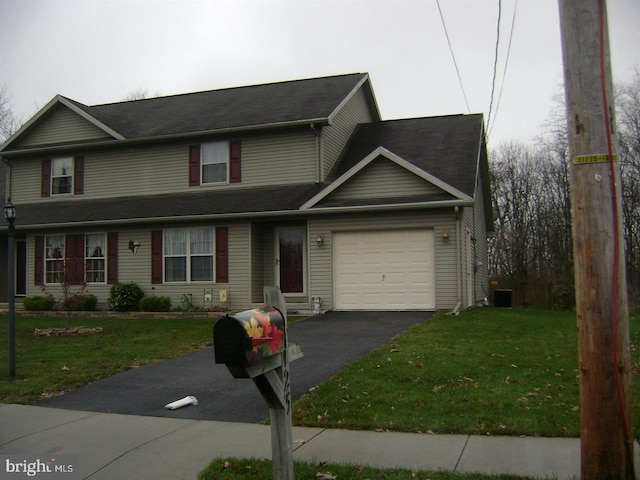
{"x":74,"y":261}
{"x":194,"y":165}
{"x":112,"y":257}
{"x":235,"y":154}
{"x":222,"y":254}
{"x":156,"y":256}
{"x":39,"y":261}
{"x":78,"y":175}
{"x":46,"y":178}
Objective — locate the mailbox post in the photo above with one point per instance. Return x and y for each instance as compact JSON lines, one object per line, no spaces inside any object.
{"x":253,"y":344}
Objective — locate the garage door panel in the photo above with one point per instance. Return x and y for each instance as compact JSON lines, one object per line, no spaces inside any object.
{"x":384,"y":270}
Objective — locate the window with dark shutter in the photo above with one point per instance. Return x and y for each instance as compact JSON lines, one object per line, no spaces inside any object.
{"x":78,"y":174}
{"x":39,"y":261}
{"x":194,"y":165}
{"x":222,"y":254}
{"x":156,"y":256}
{"x":112,"y":257}
{"x":235,"y":170}
{"x":74,"y":261}
{"x":46,"y":178}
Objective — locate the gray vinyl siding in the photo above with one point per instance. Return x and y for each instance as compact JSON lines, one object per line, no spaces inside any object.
{"x":62,"y":125}
{"x":137,"y":268}
{"x":257,"y":264}
{"x":383,"y":179}
{"x":321,"y":275}
{"x":279,"y":159}
{"x":24,"y":183}
{"x":165,"y":168}
{"x":474,"y":222}
{"x":335,"y":137}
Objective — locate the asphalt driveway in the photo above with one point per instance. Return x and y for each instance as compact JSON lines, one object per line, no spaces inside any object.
{"x":329,"y":342}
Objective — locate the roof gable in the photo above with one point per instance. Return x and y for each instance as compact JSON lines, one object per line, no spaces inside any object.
{"x":61,"y":121}
{"x":384,"y":177}
{"x":446,"y":147}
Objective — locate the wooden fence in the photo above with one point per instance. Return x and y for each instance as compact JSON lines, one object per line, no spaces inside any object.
{"x":529,"y":293}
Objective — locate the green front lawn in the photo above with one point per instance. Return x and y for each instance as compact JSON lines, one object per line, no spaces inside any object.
{"x":486,"y":371}
{"x":48,"y":366}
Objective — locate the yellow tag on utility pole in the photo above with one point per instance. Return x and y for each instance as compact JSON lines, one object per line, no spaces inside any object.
{"x":586,"y":159}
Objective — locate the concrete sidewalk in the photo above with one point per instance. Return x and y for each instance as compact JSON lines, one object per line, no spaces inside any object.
{"x":114,"y":446}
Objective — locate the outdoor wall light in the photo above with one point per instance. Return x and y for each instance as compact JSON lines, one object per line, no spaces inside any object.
{"x":319,"y":240}
{"x":445,"y":235}
{"x":9,"y":211}
{"x":134,"y":246}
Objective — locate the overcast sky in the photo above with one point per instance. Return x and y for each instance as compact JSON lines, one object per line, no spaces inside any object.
{"x":99,"y":51}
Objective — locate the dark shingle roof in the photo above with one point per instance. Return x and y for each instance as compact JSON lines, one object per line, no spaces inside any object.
{"x":283,"y":103}
{"x":166,"y":206}
{"x":446,"y":147}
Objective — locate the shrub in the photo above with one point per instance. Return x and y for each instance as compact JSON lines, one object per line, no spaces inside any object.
{"x":564,"y":297}
{"x":124,"y":297}
{"x":38,"y":303}
{"x":80,"y":302}
{"x":155,"y":304}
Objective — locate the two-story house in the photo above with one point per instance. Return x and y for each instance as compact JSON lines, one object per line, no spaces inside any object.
{"x":298,"y":184}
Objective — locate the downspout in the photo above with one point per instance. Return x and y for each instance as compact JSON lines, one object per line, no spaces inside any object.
{"x":319,"y":172}
{"x":459,"y":290}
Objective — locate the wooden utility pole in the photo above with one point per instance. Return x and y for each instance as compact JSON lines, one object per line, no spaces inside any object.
{"x":606,"y":430}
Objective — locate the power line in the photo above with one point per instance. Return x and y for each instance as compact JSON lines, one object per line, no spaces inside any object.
{"x":495,"y":62}
{"x":453,"y":57}
{"x":504,"y":73}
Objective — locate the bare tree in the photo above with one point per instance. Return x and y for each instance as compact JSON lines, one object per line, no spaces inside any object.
{"x":628,"y":119}
{"x":512,"y":189}
{"x":531,"y":198}
{"x":9,"y":123}
{"x":140,"y":94}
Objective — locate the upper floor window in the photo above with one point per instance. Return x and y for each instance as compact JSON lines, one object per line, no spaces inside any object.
{"x":214,"y":158}
{"x":61,"y":175}
{"x":214,"y":163}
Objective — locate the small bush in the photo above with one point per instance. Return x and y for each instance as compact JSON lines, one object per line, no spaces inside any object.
{"x":80,"y":302}
{"x":564,"y":297}
{"x":155,"y":304}
{"x":38,"y":303}
{"x":124,"y":297}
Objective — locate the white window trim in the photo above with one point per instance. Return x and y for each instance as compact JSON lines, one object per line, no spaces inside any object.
{"x":47,"y":259}
{"x":103,"y":258}
{"x":71,"y":175}
{"x":187,"y":256}
{"x":226,"y":162}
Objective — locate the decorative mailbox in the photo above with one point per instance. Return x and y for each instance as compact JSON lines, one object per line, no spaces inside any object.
{"x":248,"y":337}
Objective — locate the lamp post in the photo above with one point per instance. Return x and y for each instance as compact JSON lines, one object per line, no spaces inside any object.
{"x":9,"y":211}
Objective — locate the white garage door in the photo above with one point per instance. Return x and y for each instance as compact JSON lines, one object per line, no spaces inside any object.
{"x":391,"y":270}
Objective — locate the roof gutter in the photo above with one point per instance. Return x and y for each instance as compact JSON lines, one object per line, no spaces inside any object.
{"x":244,"y":215}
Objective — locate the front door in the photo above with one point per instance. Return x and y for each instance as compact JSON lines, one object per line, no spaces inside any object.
{"x":290,"y":259}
